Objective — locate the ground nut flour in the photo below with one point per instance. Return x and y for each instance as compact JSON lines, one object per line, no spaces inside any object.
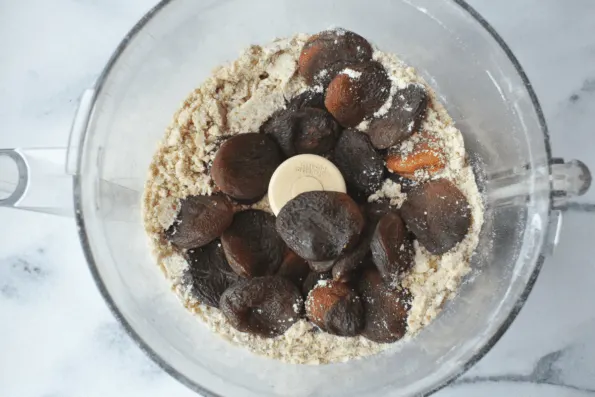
{"x":238,"y":98}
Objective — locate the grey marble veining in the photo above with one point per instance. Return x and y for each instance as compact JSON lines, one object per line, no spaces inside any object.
{"x":60,"y":340}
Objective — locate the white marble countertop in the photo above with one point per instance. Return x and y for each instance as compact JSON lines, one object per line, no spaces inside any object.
{"x":58,"y":339}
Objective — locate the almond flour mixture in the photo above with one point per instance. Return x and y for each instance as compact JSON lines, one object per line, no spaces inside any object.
{"x":239,"y":98}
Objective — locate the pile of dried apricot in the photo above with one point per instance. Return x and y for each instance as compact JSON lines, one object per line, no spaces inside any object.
{"x":328,"y":257}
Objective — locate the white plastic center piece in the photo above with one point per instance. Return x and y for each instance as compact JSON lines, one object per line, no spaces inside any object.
{"x":300,"y":174}
{"x":305,"y":184}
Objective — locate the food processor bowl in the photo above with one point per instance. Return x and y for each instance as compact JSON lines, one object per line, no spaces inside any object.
{"x":172,"y":50}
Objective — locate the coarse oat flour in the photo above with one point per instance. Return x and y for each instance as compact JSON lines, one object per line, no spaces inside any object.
{"x":238,"y":98}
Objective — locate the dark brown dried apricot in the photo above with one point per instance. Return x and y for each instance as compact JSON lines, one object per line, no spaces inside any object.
{"x":201,"y":219}
{"x":347,"y":267}
{"x":308,"y":130}
{"x":294,"y":268}
{"x":385,"y":309}
{"x":392,"y":250}
{"x":252,"y":245}
{"x":280,"y":125}
{"x":316,"y":131}
{"x":361,"y":166}
{"x":281,"y":128}
{"x":307,"y":99}
{"x":320,"y":226}
{"x":208,"y":274}
{"x":402,"y":119}
{"x":376,"y":210}
{"x":438,"y":213}
{"x":265,"y":306}
{"x":357,"y":92}
{"x":244,"y":164}
{"x":325,"y":53}
{"x":335,"y":308}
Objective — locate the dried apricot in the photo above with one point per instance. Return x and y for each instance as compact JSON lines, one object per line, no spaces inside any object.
{"x":244,"y":164}
{"x":438,"y":213}
{"x":320,"y":226}
{"x":252,"y":245}
{"x":385,"y":309}
{"x":201,"y":219}
{"x":425,"y":160}
{"x":359,"y":163}
{"x":402,"y":119}
{"x":392,"y":250}
{"x":357,"y":92}
{"x":294,"y":268}
{"x":335,"y":308}
{"x":312,"y":279}
{"x":265,"y":306}
{"x":208,"y":274}
{"x":325,"y":53}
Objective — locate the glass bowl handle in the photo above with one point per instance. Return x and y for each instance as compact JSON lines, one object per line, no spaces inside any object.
{"x":44,"y":176}
{"x":566,"y":179}
{"x":569,"y":179}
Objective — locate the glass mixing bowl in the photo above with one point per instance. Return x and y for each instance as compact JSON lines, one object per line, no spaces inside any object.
{"x":171,"y":50}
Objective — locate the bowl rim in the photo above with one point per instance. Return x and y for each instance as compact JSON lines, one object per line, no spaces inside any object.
{"x":144,"y":346}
